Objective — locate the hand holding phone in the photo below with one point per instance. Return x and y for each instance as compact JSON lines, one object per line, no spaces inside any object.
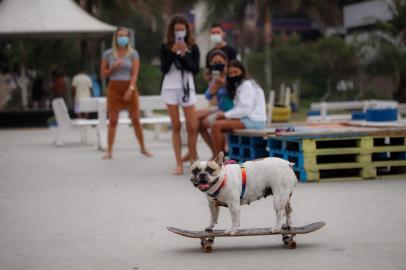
{"x":179,"y":39}
{"x":215,"y":74}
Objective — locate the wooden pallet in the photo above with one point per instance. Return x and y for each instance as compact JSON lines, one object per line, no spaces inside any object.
{"x":356,"y":153}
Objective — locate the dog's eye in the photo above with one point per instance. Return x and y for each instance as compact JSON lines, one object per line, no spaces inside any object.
{"x":196,"y":170}
{"x":210,"y":170}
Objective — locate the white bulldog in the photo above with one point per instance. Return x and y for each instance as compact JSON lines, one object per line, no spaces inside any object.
{"x":224,"y":186}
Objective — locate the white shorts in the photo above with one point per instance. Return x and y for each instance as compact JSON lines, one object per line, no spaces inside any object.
{"x":174,"y":97}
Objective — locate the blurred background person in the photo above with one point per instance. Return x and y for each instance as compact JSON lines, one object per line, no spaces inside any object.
{"x":217,"y":94}
{"x":249,"y":110}
{"x":121,"y":65}
{"x":58,"y":86}
{"x":217,"y":36}
{"x":37,"y":89}
{"x":81,"y":88}
{"x":179,"y":64}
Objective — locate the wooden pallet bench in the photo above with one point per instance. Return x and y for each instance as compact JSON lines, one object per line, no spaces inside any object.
{"x":366,"y":154}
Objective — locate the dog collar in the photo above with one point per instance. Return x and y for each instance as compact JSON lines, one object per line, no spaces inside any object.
{"x":223,"y":183}
{"x":243,"y":184}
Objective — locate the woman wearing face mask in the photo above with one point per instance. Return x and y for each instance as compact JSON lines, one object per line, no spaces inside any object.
{"x":249,"y":109}
{"x":216,"y":93}
{"x":120,"y":65}
{"x":179,"y":64}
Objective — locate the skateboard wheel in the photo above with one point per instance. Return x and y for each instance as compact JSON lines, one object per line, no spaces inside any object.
{"x":291,"y":244}
{"x":207,"y":249}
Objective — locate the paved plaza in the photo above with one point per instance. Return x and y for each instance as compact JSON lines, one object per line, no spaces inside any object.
{"x":66,"y":208}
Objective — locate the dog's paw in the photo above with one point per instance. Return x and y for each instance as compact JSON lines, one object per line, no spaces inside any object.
{"x":231,"y":231}
{"x":286,"y":227}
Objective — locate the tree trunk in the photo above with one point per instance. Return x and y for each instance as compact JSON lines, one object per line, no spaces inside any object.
{"x":267,"y":44}
{"x":400,"y":94}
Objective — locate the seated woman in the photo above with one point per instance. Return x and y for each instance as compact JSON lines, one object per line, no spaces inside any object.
{"x":216,"y":94}
{"x":249,"y":109}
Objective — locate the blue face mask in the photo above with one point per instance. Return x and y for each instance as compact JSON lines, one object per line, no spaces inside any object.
{"x":122,"y":41}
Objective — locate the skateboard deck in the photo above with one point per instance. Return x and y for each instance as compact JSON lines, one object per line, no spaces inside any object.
{"x":207,"y":237}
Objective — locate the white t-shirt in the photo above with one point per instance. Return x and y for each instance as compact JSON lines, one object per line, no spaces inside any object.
{"x":83,"y":84}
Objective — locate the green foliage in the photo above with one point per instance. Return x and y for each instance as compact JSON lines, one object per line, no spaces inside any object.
{"x":44,"y":55}
{"x":387,"y":50}
{"x":291,"y":58}
{"x":149,"y":79}
{"x":387,"y":60}
{"x":147,"y":40}
{"x":334,"y":58}
{"x":313,"y":63}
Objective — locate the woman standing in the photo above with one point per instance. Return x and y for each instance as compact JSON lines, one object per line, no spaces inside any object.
{"x":216,"y":94}
{"x":121,"y":65}
{"x":179,"y":63}
{"x":249,"y":109}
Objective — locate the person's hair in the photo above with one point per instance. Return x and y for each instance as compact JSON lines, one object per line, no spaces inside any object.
{"x":231,"y":90}
{"x":218,"y":52}
{"x":170,"y":32}
{"x":216,"y":25}
{"x":238,"y":64}
{"x":114,"y":41}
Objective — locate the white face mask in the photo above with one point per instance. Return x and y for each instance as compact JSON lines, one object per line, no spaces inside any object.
{"x":180,"y":35}
{"x":216,"y":38}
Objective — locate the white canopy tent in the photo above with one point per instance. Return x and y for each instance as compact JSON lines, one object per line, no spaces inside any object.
{"x":49,"y":18}
{"x":56,"y":19}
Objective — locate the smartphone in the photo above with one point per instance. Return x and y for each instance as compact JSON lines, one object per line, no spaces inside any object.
{"x":179,"y":39}
{"x":215,"y":74}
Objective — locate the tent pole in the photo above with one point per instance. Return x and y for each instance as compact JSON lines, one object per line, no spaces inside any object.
{"x":103,"y":80}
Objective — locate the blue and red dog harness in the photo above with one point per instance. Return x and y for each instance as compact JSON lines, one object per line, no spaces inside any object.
{"x":243,"y":184}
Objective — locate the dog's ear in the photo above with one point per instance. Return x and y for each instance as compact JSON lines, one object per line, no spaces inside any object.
{"x":220,"y":158}
{"x":193,"y":161}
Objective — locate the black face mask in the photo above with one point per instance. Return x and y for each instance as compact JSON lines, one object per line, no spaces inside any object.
{"x":217,"y":67}
{"x":235,"y":81}
{"x":232,"y":84}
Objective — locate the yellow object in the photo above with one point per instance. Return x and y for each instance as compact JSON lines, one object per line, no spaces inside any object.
{"x":280,"y":114}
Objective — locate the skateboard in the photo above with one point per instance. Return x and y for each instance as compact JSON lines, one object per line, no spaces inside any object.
{"x":207,"y":237}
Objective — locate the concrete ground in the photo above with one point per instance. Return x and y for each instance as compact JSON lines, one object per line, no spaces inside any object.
{"x":65,"y":208}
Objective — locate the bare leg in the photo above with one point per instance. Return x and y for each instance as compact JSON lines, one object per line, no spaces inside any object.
{"x":173,"y":111}
{"x":135,"y":119}
{"x":199,"y":115}
{"x":203,"y":129}
{"x":113,"y":119}
{"x":218,"y":129}
{"x":190,"y":115}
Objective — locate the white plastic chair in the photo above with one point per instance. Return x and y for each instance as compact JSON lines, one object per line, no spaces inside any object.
{"x":66,"y":124}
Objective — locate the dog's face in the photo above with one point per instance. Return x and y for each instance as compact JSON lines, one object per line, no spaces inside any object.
{"x":205,"y":174}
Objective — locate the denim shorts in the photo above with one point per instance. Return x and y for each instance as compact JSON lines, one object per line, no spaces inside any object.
{"x":250,"y":124}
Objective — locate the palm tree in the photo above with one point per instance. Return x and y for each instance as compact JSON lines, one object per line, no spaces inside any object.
{"x":389,"y":57}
